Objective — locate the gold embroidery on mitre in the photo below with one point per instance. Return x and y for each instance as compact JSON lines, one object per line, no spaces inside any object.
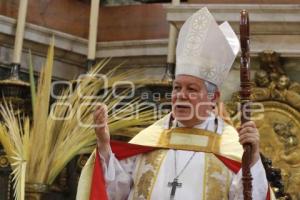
{"x":217,"y":175}
{"x":147,"y":174}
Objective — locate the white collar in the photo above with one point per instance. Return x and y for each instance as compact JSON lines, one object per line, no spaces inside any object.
{"x":209,"y":123}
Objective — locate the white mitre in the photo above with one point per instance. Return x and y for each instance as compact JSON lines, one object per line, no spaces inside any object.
{"x":205,"y":49}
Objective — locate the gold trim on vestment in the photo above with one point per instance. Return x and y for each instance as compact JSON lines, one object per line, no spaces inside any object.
{"x":159,"y":160}
{"x":216,"y":179}
{"x":139,"y":167}
{"x":149,"y":167}
{"x":191,"y":139}
{"x":217,"y":175}
{"x":225,"y":144}
{"x":204,"y":177}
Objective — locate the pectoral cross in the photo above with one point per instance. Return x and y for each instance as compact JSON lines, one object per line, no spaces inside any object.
{"x":174,"y":186}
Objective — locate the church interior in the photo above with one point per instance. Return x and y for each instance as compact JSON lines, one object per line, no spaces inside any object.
{"x":136,"y":40}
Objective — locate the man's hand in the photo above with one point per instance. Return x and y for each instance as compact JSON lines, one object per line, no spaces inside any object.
{"x":102,"y":131}
{"x":248,"y":133}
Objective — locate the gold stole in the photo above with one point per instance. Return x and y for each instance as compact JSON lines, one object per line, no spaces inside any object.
{"x":190,"y":139}
{"x":226,"y":145}
{"x":217,"y":179}
{"x":217,"y":176}
{"x":148,"y":168}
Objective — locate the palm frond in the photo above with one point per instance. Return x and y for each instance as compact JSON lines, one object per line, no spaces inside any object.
{"x":39,"y":137}
{"x":39,"y":151}
{"x":31,"y":78}
{"x":12,"y":136}
{"x":76,"y":133}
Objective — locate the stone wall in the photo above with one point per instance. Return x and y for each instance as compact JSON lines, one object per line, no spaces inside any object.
{"x":273,"y":27}
{"x":117,"y":23}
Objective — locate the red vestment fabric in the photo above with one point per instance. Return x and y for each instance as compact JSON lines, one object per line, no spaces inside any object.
{"x":124,"y":150}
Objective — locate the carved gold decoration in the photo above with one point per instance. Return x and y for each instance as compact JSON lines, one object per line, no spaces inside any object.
{"x":278,"y":121}
{"x":4,"y":161}
{"x":279,"y":127}
{"x":270,"y":61}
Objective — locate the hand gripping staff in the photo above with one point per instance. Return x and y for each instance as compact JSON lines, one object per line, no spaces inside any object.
{"x":245,"y":100}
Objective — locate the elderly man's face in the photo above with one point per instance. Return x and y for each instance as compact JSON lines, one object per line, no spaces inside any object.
{"x":190,"y":103}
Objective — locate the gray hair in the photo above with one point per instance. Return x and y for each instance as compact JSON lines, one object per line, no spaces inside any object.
{"x":211,"y":89}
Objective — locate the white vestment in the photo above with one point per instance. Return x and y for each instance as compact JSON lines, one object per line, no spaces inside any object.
{"x":122,"y":176}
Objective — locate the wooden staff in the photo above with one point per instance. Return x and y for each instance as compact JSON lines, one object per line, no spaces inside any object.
{"x":245,"y":101}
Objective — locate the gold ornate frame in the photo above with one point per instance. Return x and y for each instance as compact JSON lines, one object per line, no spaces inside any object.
{"x":277,"y":117}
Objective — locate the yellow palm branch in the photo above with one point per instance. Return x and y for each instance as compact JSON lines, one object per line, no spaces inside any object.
{"x":38,"y":151}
